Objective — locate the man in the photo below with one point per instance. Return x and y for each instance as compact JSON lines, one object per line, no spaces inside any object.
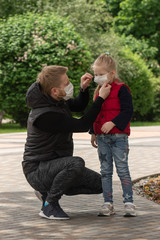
{"x":48,"y":163}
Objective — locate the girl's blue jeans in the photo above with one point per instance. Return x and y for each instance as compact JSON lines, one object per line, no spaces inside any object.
{"x":114,"y":147}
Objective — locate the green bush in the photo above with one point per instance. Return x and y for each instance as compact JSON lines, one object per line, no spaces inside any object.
{"x":113,"y":6}
{"x":155,"y":111}
{"x":12,"y":7}
{"x":28,"y":42}
{"x":144,"y":50}
{"x":134,"y":72}
{"x":90,"y":18}
{"x":141,"y":19}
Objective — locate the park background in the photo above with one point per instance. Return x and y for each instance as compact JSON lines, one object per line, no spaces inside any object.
{"x":73,"y":33}
{"x":35,"y":33}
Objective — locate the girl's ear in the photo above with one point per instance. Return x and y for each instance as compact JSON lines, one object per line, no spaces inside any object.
{"x":113,"y":73}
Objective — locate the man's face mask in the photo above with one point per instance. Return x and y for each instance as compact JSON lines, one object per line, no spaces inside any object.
{"x":69,"y":91}
{"x":101,"y":79}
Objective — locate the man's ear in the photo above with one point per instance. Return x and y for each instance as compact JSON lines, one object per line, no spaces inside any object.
{"x":54,"y":91}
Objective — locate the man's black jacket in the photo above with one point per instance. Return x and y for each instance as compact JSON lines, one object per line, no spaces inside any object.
{"x":50,"y":125}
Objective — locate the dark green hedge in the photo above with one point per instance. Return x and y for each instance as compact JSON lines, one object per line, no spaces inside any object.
{"x":27,"y":43}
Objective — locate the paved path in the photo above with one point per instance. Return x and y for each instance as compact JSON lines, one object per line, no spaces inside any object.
{"x":19,"y":207}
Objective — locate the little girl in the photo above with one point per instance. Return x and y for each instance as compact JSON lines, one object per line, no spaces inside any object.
{"x":110,"y":134}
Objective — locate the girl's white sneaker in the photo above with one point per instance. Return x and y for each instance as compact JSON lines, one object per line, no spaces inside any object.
{"x":129,"y":210}
{"x":107,"y":209}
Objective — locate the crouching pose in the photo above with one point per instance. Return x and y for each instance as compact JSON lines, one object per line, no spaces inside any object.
{"x":48,"y":164}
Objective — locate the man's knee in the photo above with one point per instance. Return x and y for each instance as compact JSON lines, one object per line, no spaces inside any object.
{"x":78,"y":164}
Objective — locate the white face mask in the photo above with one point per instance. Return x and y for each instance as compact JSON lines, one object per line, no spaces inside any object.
{"x":69,"y":91}
{"x":101,"y":79}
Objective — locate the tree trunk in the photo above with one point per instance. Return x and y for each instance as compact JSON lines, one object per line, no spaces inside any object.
{"x":1,"y":116}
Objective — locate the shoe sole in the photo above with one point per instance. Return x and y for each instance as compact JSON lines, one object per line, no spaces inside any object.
{"x":129,"y":215}
{"x":105,"y":215}
{"x":52,"y":217}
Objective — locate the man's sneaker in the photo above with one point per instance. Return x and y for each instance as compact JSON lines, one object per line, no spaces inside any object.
{"x":129,"y":209}
{"x":107,"y":209}
{"x":53,"y":211}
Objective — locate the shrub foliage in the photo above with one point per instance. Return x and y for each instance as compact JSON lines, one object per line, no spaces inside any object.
{"x":29,"y":42}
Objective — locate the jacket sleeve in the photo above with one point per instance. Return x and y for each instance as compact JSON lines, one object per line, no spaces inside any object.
{"x":123,"y":118}
{"x":80,"y":102}
{"x":60,"y":122}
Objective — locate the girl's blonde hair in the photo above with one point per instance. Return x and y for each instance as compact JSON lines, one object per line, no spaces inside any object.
{"x":108,"y":63}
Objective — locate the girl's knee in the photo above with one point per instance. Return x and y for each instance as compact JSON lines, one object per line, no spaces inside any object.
{"x":106,"y":174}
{"x":123,"y":174}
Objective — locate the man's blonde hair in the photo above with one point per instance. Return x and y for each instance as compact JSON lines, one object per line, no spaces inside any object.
{"x":50,"y":77}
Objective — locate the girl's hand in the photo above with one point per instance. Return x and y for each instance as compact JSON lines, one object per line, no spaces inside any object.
{"x":107,"y":127}
{"x":85,"y":80}
{"x":94,"y":140}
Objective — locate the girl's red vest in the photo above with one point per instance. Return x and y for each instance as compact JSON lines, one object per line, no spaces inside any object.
{"x":110,"y":109}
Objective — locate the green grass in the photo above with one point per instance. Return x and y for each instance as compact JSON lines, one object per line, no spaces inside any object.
{"x":11,"y":128}
{"x":15,"y":127}
{"x":142,"y":124}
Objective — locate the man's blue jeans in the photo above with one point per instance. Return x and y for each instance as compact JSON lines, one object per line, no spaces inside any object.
{"x":114,"y":147}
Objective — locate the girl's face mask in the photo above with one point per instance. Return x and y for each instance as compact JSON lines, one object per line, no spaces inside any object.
{"x":101,"y":79}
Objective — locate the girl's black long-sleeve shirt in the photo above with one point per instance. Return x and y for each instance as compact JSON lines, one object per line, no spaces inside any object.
{"x":124,"y":117}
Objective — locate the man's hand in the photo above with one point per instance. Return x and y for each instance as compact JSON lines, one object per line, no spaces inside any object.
{"x":105,"y":90}
{"x":107,"y":127}
{"x":94,"y":140}
{"x":85,"y":80}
